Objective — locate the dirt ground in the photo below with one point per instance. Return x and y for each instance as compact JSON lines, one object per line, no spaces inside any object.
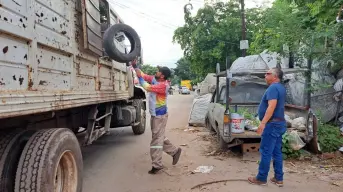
{"x":120,"y":162}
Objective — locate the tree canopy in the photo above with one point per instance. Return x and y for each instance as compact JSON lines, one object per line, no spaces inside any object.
{"x":149,"y":69}
{"x":215,"y":31}
{"x":305,"y":26}
{"x":213,"y":34}
{"x":183,"y":70}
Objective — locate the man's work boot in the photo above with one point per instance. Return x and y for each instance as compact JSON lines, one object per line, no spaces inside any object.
{"x":276,"y":182}
{"x":177,"y":155}
{"x":254,"y":181}
{"x":154,"y":170}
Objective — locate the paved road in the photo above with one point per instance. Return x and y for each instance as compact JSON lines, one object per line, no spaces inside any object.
{"x":120,"y":162}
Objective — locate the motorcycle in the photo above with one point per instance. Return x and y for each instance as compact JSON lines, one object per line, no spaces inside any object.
{"x":170,"y":91}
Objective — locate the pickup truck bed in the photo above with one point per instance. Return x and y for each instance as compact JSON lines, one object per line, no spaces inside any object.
{"x":252,"y":134}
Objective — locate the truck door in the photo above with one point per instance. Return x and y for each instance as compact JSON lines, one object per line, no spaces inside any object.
{"x":219,"y":108}
{"x":211,"y":108}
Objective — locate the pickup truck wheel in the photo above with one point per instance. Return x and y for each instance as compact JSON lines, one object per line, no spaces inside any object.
{"x":11,"y":146}
{"x":139,"y":127}
{"x":209,"y":126}
{"x":50,"y":162}
{"x":221,"y":143}
{"x":110,"y":47}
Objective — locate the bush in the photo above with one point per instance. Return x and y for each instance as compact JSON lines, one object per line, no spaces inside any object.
{"x":287,"y":150}
{"x":329,"y":137}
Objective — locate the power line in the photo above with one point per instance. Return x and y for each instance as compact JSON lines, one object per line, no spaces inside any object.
{"x":192,"y":1}
{"x":160,"y":24}
{"x":164,"y":61}
{"x":152,"y":21}
{"x":140,"y":13}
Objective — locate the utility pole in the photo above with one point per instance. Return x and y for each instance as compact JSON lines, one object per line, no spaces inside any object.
{"x":244,"y":28}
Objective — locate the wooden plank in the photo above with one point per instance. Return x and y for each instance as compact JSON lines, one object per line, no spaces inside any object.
{"x":246,"y":134}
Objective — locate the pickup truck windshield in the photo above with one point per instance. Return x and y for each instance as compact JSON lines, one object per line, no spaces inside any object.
{"x":244,"y":93}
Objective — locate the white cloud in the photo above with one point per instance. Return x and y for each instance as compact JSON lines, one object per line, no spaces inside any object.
{"x":155,"y":22}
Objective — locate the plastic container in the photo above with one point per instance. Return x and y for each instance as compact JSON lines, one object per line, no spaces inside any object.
{"x":237,"y":123}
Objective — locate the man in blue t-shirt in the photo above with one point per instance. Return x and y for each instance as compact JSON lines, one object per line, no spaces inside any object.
{"x":271,"y":113}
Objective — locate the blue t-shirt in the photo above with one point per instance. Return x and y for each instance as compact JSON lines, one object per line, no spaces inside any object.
{"x":275,"y":91}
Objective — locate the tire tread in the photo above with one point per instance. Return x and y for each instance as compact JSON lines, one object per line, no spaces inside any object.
{"x":27,"y":172}
{"x":5,"y":143}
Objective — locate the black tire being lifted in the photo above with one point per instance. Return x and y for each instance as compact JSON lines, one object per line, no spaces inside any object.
{"x":11,"y":146}
{"x":50,"y":161}
{"x":113,"y":52}
{"x":139,"y":127}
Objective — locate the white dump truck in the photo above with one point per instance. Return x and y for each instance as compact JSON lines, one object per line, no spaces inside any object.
{"x":64,"y":82}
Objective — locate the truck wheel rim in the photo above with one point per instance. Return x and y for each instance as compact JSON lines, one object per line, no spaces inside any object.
{"x":66,"y":173}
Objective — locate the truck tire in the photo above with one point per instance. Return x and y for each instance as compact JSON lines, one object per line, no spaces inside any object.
{"x":209,"y":126}
{"x":113,"y":52}
{"x":50,"y":161}
{"x":139,"y":127}
{"x":221,"y":143}
{"x":11,"y":146}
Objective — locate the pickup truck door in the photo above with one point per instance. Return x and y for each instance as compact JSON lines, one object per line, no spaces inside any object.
{"x":210,"y":110}
{"x":219,"y":110}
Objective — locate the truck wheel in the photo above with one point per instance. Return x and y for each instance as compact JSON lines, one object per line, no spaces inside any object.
{"x":139,"y":127}
{"x":51,"y":161}
{"x":221,"y":143}
{"x":209,"y":126}
{"x":110,"y":46}
{"x":11,"y":146}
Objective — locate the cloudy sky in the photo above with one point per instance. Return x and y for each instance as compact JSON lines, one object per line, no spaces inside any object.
{"x":155,"y":22}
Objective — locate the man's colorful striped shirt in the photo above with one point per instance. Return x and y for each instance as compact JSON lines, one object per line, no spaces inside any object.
{"x":158,"y":92}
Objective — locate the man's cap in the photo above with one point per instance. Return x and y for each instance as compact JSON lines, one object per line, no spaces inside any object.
{"x":165,"y":71}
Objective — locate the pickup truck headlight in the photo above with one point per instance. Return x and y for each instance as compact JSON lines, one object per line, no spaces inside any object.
{"x":226,"y":128}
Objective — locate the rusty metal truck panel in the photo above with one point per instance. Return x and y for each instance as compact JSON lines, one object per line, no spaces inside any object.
{"x":44,"y":62}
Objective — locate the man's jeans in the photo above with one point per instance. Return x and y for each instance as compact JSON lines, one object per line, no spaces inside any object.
{"x":271,"y":147}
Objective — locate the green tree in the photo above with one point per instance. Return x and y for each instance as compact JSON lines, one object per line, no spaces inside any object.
{"x":305,"y":26}
{"x":297,"y":26}
{"x":214,"y":33}
{"x":149,"y":69}
{"x":183,"y":70}
{"x":197,"y":80}
{"x":175,"y":80}
{"x":281,"y":24}
{"x":324,"y":11}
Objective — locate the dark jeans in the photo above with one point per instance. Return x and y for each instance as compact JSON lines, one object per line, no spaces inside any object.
{"x":271,"y":147}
